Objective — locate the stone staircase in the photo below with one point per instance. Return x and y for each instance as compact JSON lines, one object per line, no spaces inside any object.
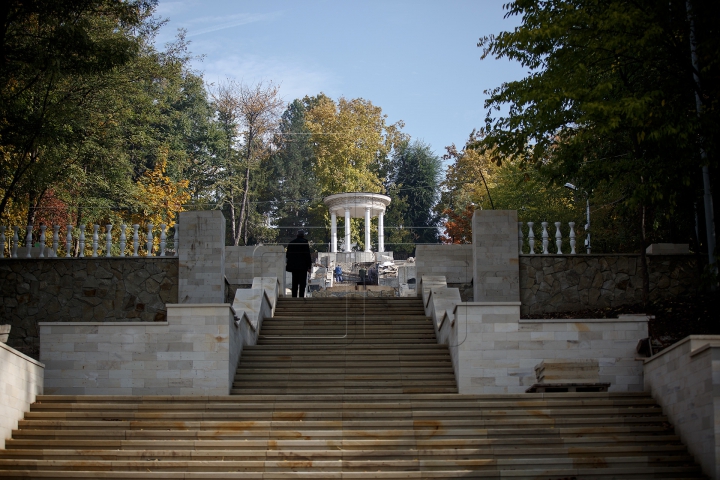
{"x":346,"y":346}
{"x":344,"y":388}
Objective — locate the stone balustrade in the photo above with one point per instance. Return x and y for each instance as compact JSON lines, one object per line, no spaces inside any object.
{"x":31,"y":242}
{"x":546,"y":242}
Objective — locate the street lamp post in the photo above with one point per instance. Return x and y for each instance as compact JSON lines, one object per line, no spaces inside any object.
{"x":587,"y":225}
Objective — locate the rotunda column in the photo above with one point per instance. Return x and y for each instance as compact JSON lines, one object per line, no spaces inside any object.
{"x":333,"y":232}
{"x":367,"y":230}
{"x":347,"y":229}
{"x":381,"y":232}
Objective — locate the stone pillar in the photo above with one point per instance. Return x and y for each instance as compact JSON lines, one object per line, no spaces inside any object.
{"x":347,"y":230}
{"x":202,"y":258}
{"x":496,"y":267}
{"x":333,"y":232}
{"x":381,"y":232}
{"x":367,"y":230}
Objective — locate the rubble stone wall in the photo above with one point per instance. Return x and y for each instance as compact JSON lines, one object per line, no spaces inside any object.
{"x":565,"y":283}
{"x":82,"y":290}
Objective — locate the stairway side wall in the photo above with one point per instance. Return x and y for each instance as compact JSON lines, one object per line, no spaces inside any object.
{"x":187,"y":355}
{"x":494,"y":351}
{"x":21,"y":380}
{"x":685,"y":380}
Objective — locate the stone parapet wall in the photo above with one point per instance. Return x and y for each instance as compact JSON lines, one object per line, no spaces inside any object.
{"x":495,"y":352}
{"x":685,"y":380}
{"x":21,"y":380}
{"x":189,"y":354}
{"x":82,"y":289}
{"x":454,"y":262}
{"x":564,"y":283}
{"x":242,"y":264}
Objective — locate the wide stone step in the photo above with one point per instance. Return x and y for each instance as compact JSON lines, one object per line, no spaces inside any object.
{"x":350,"y":463}
{"x":324,"y":424}
{"x":232,"y":454}
{"x":507,"y":444}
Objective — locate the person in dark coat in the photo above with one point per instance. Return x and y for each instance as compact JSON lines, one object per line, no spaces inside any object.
{"x":298,"y":262}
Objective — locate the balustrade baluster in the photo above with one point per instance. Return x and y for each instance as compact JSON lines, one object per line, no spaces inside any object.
{"x":42,"y":241}
{"x":136,"y":239}
{"x":15,"y":242}
{"x":28,"y":241}
{"x":531,"y":238}
{"x":558,"y":238}
{"x":163,"y":239}
{"x":572,"y":238}
{"x":149,"y":239}
{"x":56,"y":240}
{"x":545,"y":238}
{"x":68,"y":241}
{"x":2,"y":242}
{"x":96,"y":227}
{"x":520,"y":238}
{"x":82,"y":241}
{"x":123,"y":239}
{"x":108,"y":240}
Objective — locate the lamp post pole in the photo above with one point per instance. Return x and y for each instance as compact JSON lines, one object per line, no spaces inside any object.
{"x":587,"y":227}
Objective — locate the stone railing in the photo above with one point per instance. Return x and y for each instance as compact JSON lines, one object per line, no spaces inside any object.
{"x":101,"y":244}
{"x":544,"y":244}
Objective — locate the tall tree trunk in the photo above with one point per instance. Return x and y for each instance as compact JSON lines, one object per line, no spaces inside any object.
{"x":235,"y":236}
{"x":643,"y":261}
{"x":243,"y":212}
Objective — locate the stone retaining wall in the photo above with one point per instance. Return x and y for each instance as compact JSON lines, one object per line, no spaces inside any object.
{"x":82,"y":290}
{"x":685,"y":380}
{"x":21,"y":381}
{"x":565,"y":283}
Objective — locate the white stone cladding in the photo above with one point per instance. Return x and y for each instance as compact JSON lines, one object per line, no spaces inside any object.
{"x":454,"y":262}
{"x":496,"y":272}
{"x":242,"y":264}
{"x":494,"y":351}
{"x":21,"y":380}
{"x":685,"y":380}
{"x":190,"y":354}
{"x":202,"y":257}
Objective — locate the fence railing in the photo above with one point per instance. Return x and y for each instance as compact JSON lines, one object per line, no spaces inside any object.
{"x":545,"y":239}
{"x":75,"y":243}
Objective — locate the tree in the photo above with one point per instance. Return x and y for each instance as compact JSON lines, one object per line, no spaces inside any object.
{"x":291,"y":186}
{"x":352,"y":144}
{"x":609,"y":101}
{"x":55,"y":56}
{"x":415,"y":171}
{"x":249,"y":118}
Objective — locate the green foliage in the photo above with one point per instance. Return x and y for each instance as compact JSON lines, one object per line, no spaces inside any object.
{"x":291,"y":189}
{"x":352,"y":144}
{"x":414,"y":186}
{"x":609,"y":103}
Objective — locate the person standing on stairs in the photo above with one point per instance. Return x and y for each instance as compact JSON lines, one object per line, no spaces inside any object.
{"x":298,"y":262}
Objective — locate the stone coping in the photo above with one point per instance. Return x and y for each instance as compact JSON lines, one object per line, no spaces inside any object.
{"x":713,"y":341}
{"x":620,"y":319}
{"x":126,"y":257}
{"x":22,"y":355}
{"x":707,"y":346}
{"x":197,"y":305}
{"x":102,"y":324}
{"x":543,"y":255}
{"x":491,"y":304}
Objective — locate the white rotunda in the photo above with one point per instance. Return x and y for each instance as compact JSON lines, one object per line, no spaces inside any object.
{"x":357,"y":205}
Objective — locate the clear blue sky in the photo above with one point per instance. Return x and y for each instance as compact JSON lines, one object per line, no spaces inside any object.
{"x":416,"y":59}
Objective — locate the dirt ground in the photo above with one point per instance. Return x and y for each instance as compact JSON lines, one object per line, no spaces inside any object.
{"x":672,"y":320}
